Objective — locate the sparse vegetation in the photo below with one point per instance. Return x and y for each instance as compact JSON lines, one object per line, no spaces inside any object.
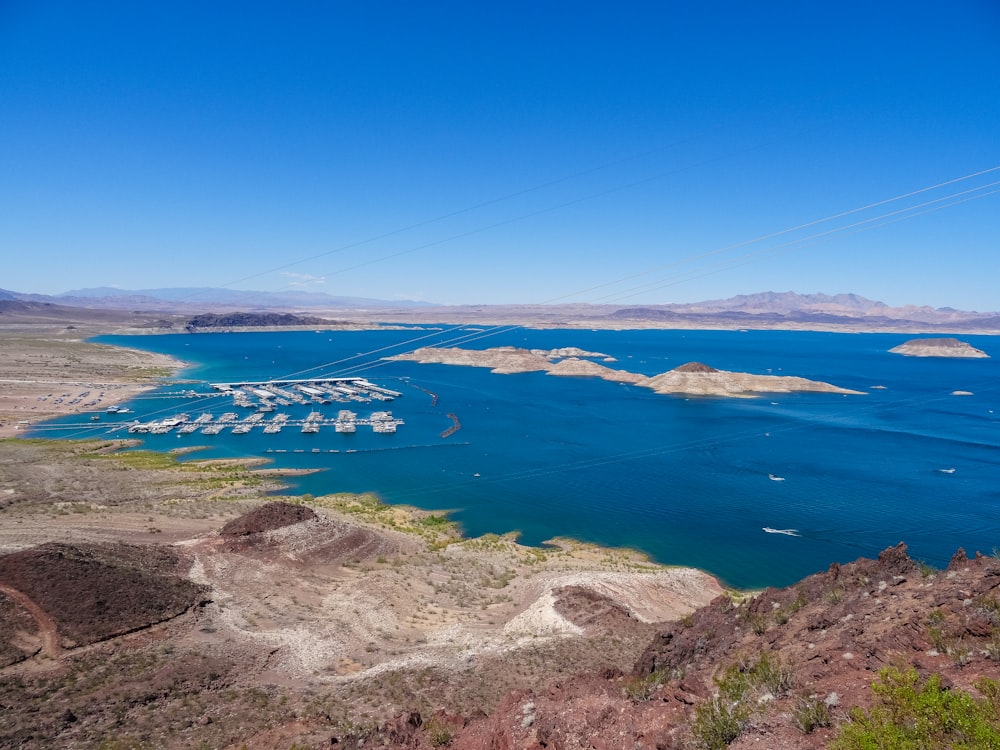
{"x":741,"y":690}
{"x":438,"y":732}
{"x":911,"y":714}
{"x":718,"y":722}
{"x":926,"y":570}
{"x":643,"y":688}
{"x":810,"y":713}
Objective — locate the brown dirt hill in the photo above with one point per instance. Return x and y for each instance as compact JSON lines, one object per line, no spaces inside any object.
{"x":821,"y":641}
{"x":81,"y":594}
{"x":695,"y":367}
{"x":267,"y":518}
{"x":296,"y":533}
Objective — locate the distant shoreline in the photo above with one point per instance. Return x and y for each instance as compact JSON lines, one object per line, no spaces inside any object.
{"x":399,"y":325}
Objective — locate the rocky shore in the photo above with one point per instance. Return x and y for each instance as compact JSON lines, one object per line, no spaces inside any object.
{"x":939,"y":347}
{"x":692,"y":378}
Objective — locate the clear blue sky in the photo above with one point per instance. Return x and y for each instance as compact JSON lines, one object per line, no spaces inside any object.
{"x":542,"y":148}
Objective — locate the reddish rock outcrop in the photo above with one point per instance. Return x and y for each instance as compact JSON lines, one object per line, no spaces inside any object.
{"x":828,"y":636}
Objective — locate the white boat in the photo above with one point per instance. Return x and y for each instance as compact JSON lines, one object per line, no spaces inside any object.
{"x":774,"y":478}
{"x":786,"y":532}
{"x":947,"y":471}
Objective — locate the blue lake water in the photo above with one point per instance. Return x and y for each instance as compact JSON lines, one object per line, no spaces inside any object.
{"x":686,"y":480}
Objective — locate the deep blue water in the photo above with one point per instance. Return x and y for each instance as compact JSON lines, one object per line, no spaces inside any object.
{"x":683,"y":479}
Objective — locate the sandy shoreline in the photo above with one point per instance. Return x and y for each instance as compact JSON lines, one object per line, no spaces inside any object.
{"x":45,"y":374}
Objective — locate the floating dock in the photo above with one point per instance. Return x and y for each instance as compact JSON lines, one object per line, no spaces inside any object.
{"x":382,"y":422}
{"x":264,"y":394}
{"x":265,"y":397}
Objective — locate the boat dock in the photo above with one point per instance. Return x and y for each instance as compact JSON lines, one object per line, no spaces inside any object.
{"x":264,"y":398}
{"x":265,"y":395}
{"x":382,"y":422}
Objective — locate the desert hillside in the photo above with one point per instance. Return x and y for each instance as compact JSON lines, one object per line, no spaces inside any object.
{"x":171,"y":605}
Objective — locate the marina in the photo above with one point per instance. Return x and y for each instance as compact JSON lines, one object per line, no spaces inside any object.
{"x":264,"y":398}
{"x":382,"y":422}
{"x":266,"y":395}
{"x":552,"y":452}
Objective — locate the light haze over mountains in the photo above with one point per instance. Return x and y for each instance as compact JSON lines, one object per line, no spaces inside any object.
{"x":764,"y":308}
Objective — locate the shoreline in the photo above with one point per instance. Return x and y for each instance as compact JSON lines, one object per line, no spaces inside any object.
{"x":572,"y":325}
{"x":356,"y":599}
{"x":177,"y":365}
{"x":44,"y":376}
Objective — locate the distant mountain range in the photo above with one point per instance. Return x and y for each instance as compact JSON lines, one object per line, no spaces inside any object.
{"x":818,"y":308}
{"x":180,"y":299}
{"x":763,"y":310}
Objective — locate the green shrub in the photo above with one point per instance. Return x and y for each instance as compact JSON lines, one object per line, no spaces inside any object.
{"x":434,"y":520}
{"x":810,"y":713}
{"x":642,"y":688}
{"x":718,"y":722}
{"x":910,"y":715}
{"x":741,"y":688}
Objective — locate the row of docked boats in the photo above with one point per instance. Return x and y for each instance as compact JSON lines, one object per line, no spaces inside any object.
{"x":268,"y":395}
{"x":382,"y":422}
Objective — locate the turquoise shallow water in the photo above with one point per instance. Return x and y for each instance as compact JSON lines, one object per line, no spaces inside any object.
{"x":685,"y":480}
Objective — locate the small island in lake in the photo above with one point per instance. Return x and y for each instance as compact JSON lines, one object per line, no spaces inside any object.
{"x":938,"y":347}
{"x":697,"y":379}
{"x":693,"y":378}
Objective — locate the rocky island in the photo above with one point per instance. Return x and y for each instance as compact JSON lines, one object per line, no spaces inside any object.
{"x":692,"y":378}
{"x":939,"y":347}
{"x":697,"y":379}
{"x":503,"y":360}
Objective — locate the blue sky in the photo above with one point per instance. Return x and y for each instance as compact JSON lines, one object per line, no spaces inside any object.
{"x":519,"y":152}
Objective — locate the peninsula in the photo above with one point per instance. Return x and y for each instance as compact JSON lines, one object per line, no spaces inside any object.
{"x":692,"y":378}
{"x":939,"y":347}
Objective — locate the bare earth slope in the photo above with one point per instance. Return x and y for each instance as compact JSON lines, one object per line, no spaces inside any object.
{"x":315,"y":622}
{"x":92,"y":592}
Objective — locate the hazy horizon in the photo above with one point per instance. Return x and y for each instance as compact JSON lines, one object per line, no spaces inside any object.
{"x":658,"y":154}
{"x":177,"y":294}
